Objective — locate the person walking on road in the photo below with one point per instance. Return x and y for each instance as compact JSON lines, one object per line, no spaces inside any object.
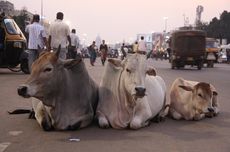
{"x":59,"y":34}
{"x":37,"y":38}
{"x":124,"y":54}
{"x":72,"y":49}
{"x":135,"y":47}
{"x":103,"y":51}
{"x":93,"y":53}
{"x":142,"y":48}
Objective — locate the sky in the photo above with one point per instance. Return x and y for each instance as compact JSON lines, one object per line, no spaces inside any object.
{"x":120,"y":20}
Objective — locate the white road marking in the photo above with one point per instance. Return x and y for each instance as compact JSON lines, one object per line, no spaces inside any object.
{"x":3,"y":146}
{"x":15,"y":133}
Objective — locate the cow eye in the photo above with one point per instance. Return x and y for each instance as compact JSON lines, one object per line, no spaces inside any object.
{"x":128,"y":70}
{"x":200,"y":95}
{"x":47,"y":69}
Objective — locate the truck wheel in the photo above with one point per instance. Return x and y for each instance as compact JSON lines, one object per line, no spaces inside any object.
{"x":24,"y":66}
{"x":199,"y":66}
{"x":172,"y":64}
{"x":212,"y":64}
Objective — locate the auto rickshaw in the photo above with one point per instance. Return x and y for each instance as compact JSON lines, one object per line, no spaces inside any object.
{"x":187,"y":48}
{"x":12,"y":46}
{"x":212,"y":51}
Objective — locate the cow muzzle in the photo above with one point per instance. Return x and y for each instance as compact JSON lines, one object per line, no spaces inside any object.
{"x":22,"y":91}
{"x":140,"y":92}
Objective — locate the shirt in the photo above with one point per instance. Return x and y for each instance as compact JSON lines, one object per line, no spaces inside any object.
{"x":142,"y":46}
{"x":59,"y":32}
{"x":36,"y":34}
{"x":74,"y":40}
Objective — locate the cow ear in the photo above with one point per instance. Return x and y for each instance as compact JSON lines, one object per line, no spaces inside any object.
{"x":151,"y":71}
{"x":71,"y":63}
{"x":58,"y":51}
{"x":186,"y":88}
{"x":115,"y":62}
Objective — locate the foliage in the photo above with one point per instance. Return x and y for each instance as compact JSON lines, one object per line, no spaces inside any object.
{"x":219,"y":28}
{"x":21,"y":20}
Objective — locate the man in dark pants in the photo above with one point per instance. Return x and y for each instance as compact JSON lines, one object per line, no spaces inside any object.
{"x":103,"y":50}
{"x":72,"y":50}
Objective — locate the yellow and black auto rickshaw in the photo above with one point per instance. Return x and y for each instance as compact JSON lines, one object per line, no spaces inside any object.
{"x":12,"y":46}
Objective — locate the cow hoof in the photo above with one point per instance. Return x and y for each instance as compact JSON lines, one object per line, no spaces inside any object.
{"x":46,"y":126}
{"x":103,"y":122}
{"x":210,"y":114}
{"x":75,"y":126}
{"x":158,"y":119}
{"x":135,"y":124}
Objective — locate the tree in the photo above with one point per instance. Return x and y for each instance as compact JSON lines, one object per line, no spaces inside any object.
{"x":219,"y":28}
{"x":21,"y":19}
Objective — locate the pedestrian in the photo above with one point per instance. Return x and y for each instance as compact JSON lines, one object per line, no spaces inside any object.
{"x":92,"y":52}
{"x":59,"y":34}
{"x":135,"y":47}
{"x":72,"y":49}
{"x":142,"y":48}
{"x":103,"y":51}
{"x":123,"y":51}
{"x":37,"y":38}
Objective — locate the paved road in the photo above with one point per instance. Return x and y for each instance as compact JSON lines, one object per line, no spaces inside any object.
{"x":19,"y":134}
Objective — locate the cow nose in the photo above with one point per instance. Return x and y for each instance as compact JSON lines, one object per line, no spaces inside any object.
{"x":140,"y":91}
{"x":210,"y":109}
{"x":22,"y":91}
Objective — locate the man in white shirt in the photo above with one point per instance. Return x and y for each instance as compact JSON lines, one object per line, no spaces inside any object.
{"x":37,"y":38}
{"x":72,"y":50}
{"x":142,"y":48}
{"x":59,"y":34}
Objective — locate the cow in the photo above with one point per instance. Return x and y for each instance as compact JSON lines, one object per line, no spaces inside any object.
{"x":130,"y":94}
{"x":64,"y":95}
{"x":192,"y":100}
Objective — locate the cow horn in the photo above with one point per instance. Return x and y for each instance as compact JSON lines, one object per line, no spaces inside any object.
{"x":58,"y":51}
{"x":39,"y":48}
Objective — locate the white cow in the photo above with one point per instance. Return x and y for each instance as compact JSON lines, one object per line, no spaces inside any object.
{"x":191,"y":100}
{"x":130,"y":94}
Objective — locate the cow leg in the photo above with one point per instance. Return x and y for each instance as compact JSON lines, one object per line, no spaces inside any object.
{"x":41,"y":115}
{"x":103,"y":122}
{"x":215,"y":105}
{"x":137,"y":123}
{"x":86,"y":120}
{"x":199,"y":116}
{"x":142,"y":115}
{"x":174,"y":114}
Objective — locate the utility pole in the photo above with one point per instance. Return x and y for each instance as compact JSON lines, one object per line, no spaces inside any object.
{"x":42,"y":12}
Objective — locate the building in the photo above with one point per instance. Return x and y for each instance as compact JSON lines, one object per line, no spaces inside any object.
{"x":6,"y":7}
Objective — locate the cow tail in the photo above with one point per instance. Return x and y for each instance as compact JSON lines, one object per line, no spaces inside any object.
{"x":23,"y":111}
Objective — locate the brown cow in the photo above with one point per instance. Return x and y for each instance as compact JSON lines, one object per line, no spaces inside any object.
{"x":191,"y":100}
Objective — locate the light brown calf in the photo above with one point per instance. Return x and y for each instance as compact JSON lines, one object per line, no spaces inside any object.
{"x":191,"y":100}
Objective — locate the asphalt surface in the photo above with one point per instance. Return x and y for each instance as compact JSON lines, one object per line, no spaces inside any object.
{"x":20,"y":134}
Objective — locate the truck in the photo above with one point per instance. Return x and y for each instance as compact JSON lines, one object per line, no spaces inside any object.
{"x":187,"y":47}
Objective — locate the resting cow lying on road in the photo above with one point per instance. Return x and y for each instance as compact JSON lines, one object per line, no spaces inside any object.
{"x":130,"y":93}
{"x":66,"y":96}
{"x":191,"y":100}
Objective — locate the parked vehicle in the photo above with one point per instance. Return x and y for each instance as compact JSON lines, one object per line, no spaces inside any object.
{"x":212,"y":51}
{"x":12,"y":46}
{"x":223,"y":53}
{"x":187,"y":48}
